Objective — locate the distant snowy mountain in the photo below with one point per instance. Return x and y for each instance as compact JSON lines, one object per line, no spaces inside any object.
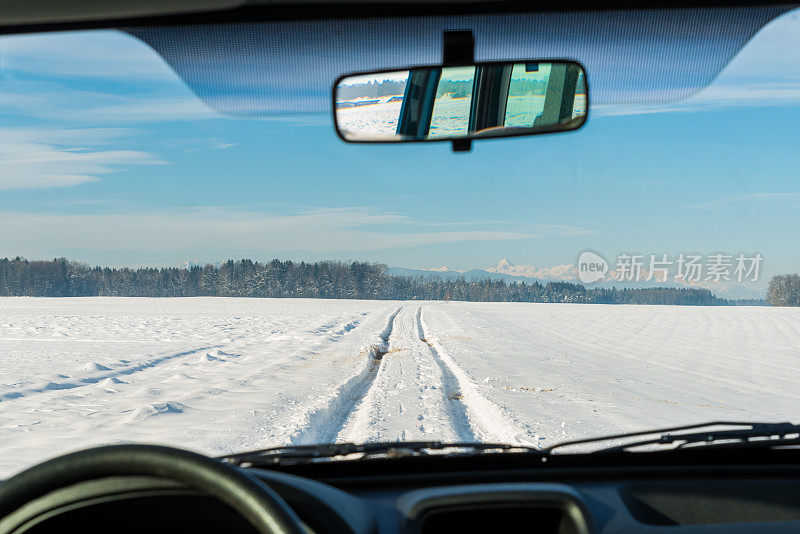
{"x":504,"y":270}
{"x":508,"y":271}
{"x":473,"y":274}
{"x":558,"y":272}
{"x":190,"y":263}
{"x":197,"y":263}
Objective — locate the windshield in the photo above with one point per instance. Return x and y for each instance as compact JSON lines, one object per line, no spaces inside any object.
{"x":186,"y":263}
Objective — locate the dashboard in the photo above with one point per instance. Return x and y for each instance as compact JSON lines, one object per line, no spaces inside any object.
{"x":375,"y":497}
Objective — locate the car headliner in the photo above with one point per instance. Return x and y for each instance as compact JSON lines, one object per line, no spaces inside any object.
{"x":261,"y":66}
{"x":288,"y":67}
{"x":45,"y":12}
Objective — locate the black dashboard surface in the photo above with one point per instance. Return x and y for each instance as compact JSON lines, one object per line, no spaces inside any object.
{"x":377,"y":497}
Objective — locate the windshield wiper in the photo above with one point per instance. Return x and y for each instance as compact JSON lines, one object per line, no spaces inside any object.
{"x":394,"y":449}
{"x":749,"y":435}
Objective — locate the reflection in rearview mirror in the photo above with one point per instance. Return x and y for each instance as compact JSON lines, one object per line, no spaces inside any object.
{"x":461,"y":103}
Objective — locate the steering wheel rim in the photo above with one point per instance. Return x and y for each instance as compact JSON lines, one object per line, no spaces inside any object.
{"x":264,"y":509}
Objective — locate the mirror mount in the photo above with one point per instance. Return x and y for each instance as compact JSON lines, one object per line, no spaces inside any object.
{"x":458,"y":50}
{"x":462,"y":145}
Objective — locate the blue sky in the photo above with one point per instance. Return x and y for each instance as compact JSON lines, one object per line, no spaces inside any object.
{"x":106,"y":157}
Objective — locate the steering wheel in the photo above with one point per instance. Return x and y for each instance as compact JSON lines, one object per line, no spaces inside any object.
{"x":267,"y":512}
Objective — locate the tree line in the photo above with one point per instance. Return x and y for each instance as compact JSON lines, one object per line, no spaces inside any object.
{"x":371,"y":89}
{"x":784,"y":290}
{"x":325,"y":279}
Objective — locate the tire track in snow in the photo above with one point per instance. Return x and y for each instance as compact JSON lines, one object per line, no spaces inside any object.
{"x":324,"y":423}
{"x":125,"y":369}
{"x":456,"y":411}
{"x":488,"y":421}
{"x":413,"y":396}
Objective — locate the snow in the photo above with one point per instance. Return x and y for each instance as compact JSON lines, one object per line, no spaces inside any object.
{"x":450,"y":115}
{"x":219,"y":375}
{"x":377,"y":121}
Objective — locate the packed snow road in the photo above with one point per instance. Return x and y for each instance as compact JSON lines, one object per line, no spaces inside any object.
{"x":416,"y":393}
{"x":220,"y":375}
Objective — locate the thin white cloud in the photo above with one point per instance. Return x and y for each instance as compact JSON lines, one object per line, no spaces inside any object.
{"x":198,"y":230}
{"x":79,"y":136}
{"x":144,"y":109}
{"x":41,"y":157}
{"x":748,"y":93}
{"x":732,"y":202}
{"x":109,"y":54}
{"x":221,"y":145}
{"x":537,"y":229}
{"x":61,"y":103}
{"x":560,"y":229}
{"x":764,"y":73}
{"x":46,"y":77}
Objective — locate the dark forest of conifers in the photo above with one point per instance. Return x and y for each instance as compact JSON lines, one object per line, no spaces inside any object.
{"x":325,"y":279}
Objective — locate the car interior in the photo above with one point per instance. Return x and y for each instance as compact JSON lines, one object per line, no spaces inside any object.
{"x":325,"y":56}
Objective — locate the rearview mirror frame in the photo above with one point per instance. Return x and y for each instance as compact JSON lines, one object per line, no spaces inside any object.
{"x":463,"y":142}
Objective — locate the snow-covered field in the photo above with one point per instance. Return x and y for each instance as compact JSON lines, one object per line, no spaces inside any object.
{"x":450,"y":115}
{"x":220,"y":375}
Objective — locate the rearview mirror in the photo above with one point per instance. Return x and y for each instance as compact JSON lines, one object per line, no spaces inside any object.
{"x":461,"y":103}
